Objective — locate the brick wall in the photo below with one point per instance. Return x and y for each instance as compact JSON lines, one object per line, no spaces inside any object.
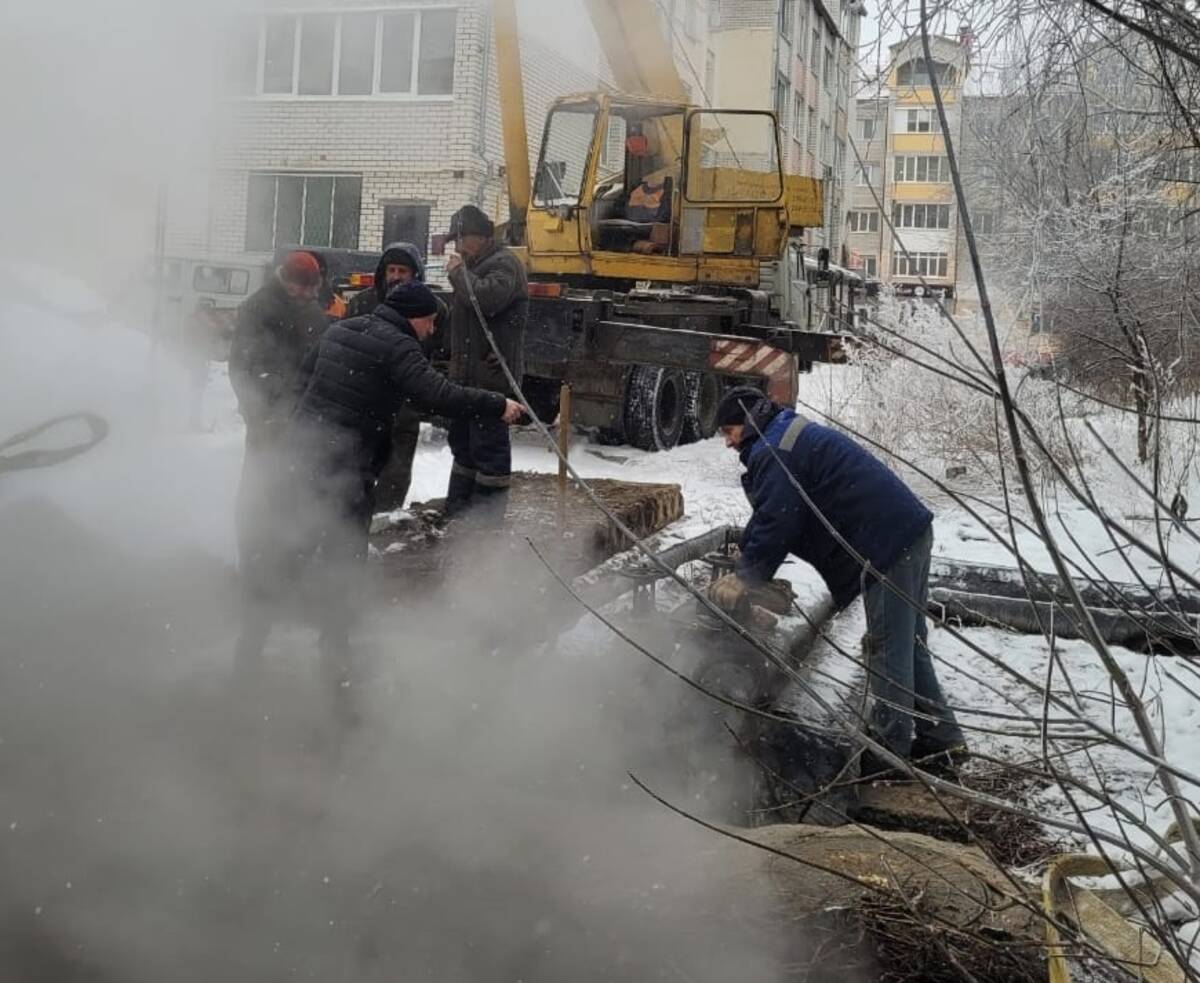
{"x":748,"y":13}
{"x":418,"y":149}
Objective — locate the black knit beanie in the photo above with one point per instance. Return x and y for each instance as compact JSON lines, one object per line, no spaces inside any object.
{"x":737,"y":404}
{"x":412,"y":299}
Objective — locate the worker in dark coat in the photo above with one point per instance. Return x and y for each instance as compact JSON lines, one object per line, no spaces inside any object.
{"x":352,"y":385}
{"x":274,"y":331}
{"x":400,"y":263}
{"x":495,"y":277}
{"x":881,"y":521}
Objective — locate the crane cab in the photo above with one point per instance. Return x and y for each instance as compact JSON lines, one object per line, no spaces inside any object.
{"x":628,"y":188}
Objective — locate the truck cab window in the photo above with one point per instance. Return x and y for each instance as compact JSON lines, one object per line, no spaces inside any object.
{"x":567,"y":143}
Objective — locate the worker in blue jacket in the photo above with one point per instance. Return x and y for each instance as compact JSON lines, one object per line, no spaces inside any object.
{"x":797,"y":472}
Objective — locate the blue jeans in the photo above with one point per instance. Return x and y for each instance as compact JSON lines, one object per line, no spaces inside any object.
{"x":902,"y":677}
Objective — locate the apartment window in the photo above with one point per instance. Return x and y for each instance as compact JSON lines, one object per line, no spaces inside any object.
{"x":870,"y":267}
{"x":919,"y":264}
{"x":241,"y":57}
{"x":824,"y":143}
{"x":916,"y":73}
{"x":815,"y":55}
{"x":798,"y":118}
{"x":984,"y":223}
{"x":935,"y":170}
{"x":787,"y":17}
{"x":864,"y":175}
{"x":782,"y":87}
{"x":863,"y":221}
{"x":918,"y":121}
{"x":921,"y":216}
{"x":691,"y":18}
{"x":710,"y":77}
{"x":811,"y":133}
{"x":304,"y":209}
{"x":382,"y":53}
{"x":827,"y":68}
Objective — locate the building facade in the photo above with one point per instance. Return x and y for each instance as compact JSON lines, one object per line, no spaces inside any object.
{"x":901,"y":217}
{"x":795,"y":57}
{"x":352,"y":125}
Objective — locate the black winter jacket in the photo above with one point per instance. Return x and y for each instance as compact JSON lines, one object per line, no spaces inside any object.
{"x":498,"y":279}
{"x":364,"y":370}
{"x":272,"y":335}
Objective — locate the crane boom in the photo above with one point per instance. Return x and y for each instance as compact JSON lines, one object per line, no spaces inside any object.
{"x":639,"y":55}
{"x":512,"y":114}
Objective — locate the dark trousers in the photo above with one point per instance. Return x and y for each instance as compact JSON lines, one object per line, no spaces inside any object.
{"x":902,"y":676}
{"x":396,"y":477}
{"x":482,"y":469}
{"x":303,"y":523}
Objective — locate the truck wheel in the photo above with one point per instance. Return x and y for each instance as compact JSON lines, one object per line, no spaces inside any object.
{"x":700,"y":406}
{"x":654,"y":407}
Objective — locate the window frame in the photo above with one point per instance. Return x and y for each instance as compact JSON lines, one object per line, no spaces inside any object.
{"x":862,"y":127}
{"x":900,"y":208}
{"x":911,"y":115}
{"x":864,"y":174}
{"x":304,"y":176}
{"x":375,"y":95}
{"x":912,"y":175}
{"x":787,"y":19}
{"x":922,"y":260}
{"x":855,"y":223}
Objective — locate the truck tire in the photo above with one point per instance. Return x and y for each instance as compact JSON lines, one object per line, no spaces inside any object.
{"x":654,"y":407}
{"x":700,"y":406}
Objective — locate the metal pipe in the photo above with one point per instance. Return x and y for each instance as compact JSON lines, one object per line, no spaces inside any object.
{"x":625,"y":571}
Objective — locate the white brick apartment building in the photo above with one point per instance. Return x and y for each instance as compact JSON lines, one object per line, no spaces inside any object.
{"x":796,"y":57}
{"x":353,"y":123}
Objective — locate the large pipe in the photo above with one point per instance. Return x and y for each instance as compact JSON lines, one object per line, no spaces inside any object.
{"x":512,"y":115}
{"x":625,"y":571}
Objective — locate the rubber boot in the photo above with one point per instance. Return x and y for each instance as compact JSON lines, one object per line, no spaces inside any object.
{"x":487,"y":514}
{"x":459,"y":492}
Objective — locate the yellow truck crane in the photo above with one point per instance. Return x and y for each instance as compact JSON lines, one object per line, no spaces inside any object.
{"x":657,"y":238}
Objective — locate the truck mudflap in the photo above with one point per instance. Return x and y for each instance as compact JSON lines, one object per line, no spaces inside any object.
{"x":732,"y":357}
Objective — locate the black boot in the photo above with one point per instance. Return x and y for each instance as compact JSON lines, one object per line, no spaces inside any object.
{"x":490,"y":506}
{"x":459,"y":491}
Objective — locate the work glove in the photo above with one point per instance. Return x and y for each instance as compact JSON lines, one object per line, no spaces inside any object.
{"x":728,"y":592}
{"x":774,"y":595}
{"x":738,"y":598}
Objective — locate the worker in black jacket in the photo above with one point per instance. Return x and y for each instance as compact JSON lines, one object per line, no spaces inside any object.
{"x":487,"y":273}
{"x":275,"y":329}
{"x":400,"y":263}
{"x":352,"y":384}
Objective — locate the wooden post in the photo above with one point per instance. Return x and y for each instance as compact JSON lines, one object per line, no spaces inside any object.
{"x":564,"y":449}
{"x":564,"y":436}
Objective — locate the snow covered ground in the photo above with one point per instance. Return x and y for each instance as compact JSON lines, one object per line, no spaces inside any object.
{"x":156,"y":481}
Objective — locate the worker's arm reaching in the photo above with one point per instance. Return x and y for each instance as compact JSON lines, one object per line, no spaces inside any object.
{"x":429,"y":390}
{"x":779,"y":513}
